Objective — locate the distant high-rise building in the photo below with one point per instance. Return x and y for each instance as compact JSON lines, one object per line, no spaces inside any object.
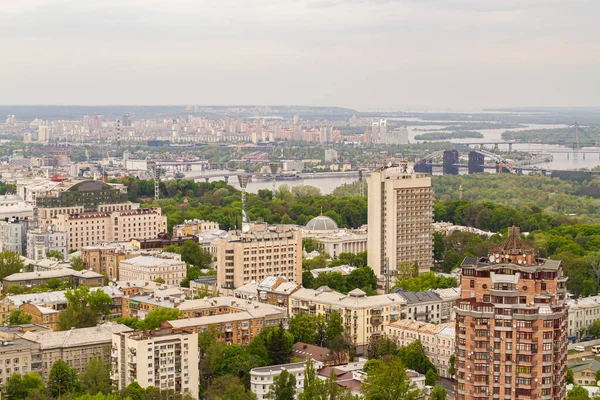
{"x":126,"y":121}
{"x":400,"y":219}
{"x":96,"y":121}
{"x":511,"y":326}
{"x":43,"y":133}
{"x":326,"y":134}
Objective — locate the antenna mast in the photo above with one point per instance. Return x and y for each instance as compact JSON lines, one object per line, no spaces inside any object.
{"x":274,"y":168}
{"x":243,"y":179}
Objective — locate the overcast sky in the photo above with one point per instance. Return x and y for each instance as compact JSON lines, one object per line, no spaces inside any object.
{"x":363,"y":54}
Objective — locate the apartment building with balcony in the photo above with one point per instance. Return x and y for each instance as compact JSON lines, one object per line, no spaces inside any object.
{"x":400,"y":220}
{"x":159,"y":358}
{"x":363,"y":316}
{"x":260,"y":252}
{"x":272,"y":290}
{"x":437,"y":340}
{"x":75,"y":346}
{"x":511,"y":326}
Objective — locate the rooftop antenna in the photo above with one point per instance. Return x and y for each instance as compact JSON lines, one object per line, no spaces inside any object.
{"x":274,"y":166}
{"x":243,"y":179}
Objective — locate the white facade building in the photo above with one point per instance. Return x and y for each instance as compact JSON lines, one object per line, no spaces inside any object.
{"x":582,"y":313}
{"x":151,"y":268}
{"x":40,"y":242}
{"x":437,"y":340}
{"x":261,"y":378}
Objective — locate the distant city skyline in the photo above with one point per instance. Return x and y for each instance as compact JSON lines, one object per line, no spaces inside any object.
{"x":378,"y":55}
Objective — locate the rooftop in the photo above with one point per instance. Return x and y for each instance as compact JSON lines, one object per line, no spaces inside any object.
{"x":418,"y":297}
{"x":76,"y":337}
{"x":149,"y":261}
{"x":55,"y":273}
{"x":328,"y":296}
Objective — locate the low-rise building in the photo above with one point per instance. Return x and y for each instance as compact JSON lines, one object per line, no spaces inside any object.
{"x":58,"y":301}
{"x":238,"y":321}
{"x":584,"y":371}
{"x":582,"y":313}
{"x":437,"y":340}
{"x":271,"y":290}
{"x":41,"y":315}
{"x":105,"y":257}
{"x":363,"y":316}
{"x":262,"y":378}
{"x":75,"y":278}
{"x":194,"y":227}
{"x":305,"y":352}
{"x":334,"y":239}
{"x":427,"y":306}
{"x":162,"y":240}
{"x":13,"y":235}
{"x":75,"y":346}
{"x":18,"y":356}
{"x":167,"y":267}
{"x":41,"y":241}
{"x":167,"y":360}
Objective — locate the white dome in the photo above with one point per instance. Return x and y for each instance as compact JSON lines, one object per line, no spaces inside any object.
{"x":321,"y":223}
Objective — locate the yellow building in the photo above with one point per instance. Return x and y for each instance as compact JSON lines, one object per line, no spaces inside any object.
{"x":194,"y":227}
{"x":363,"y":316}
{"x":259,"y":252}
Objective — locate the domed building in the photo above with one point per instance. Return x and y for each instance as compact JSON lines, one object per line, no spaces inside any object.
{"x":322,"y":223}
{"x":335,"y":240}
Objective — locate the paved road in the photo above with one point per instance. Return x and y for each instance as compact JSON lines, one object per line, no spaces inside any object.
{"x":579,"y":354}
{"x":448,"y":385}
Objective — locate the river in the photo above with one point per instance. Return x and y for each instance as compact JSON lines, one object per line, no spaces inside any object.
{"x":560,"y":161}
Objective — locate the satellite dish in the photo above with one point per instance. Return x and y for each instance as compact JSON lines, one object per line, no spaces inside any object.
{"x":492,"y":258}
{"x":245,"y":228}
{"x":520,"y":262}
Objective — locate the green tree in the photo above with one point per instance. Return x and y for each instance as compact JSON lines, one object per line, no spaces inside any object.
{"x":334,"y":327}
{"x":438,"y":393}
{"x":77,"y":264}
{"x":84,"y":308}
{"x":387,"y":380}
{"x":413,"y":356}
{"x":18,"y":317}
{"x":431,"y":377}
{"x":578,"y":393}
{"x":452,"y":367}
{"x":313,"y":387}
{"x":283,"y":387}
{"x":134,"y":391}
{"x":10,"y":263}
{"x":279,"y":345}
{"x":95,"y":377}
{"x":570,"y":377}
{"x":597,"y":376}
{"x":303,"y":328}
{"x":62,"y":380}
{"x":55,"y":254}
{"x":19,"y":386}
{"x":192,"y":253}
{"x":157,"y":316}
